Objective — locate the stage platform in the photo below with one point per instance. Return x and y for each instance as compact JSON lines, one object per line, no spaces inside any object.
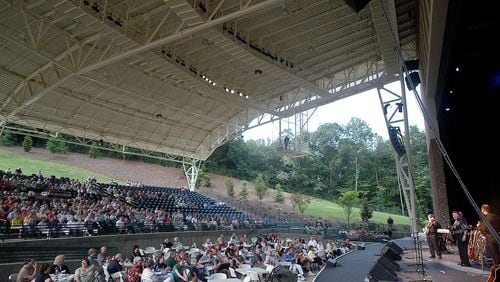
{"x":356,"y":266}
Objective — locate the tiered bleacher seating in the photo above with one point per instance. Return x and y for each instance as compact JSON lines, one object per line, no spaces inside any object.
{"x":60,"y":207}
{"x":166,"y":198}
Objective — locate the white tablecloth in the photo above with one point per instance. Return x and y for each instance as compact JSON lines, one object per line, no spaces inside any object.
{"x":258,"y":270}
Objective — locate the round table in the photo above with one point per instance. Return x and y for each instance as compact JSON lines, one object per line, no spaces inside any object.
{"x":63,"y":277}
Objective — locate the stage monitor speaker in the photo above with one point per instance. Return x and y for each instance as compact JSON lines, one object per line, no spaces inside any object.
{"x":332,"y":263}
{"x":397,"y":249}
{"x":386,"y":250}
{"x":379,"y":273}
{"x":388,"y":263}
{"x":357,"y":5}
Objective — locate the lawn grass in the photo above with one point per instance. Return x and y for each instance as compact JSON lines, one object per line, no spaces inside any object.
{"x":322,"y":208}
{"x":48,"y":168}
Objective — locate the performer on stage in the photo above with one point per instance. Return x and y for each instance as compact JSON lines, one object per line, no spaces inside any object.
{"x":460,"y":232}
{"x":491,"y":245}
{"x":432,"y":237}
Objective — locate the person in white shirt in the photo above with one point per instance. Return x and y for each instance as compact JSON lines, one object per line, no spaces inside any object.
{"x":320,"y":247}
{"x":313,"y":257}
{"x":313,"y":242}
{"x":177,"y":243}
{"x":147,"y":272}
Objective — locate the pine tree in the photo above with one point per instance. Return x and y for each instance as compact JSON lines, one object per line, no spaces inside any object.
{"x":366,"y":211}
{"x":27,"y":143}
{"x":244,"y":190}
{"x":94,"y":151}
{"x":230,"y":187}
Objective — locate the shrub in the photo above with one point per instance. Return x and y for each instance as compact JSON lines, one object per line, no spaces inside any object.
{"x":7,"y":139}
{"x":279,"y":196}
{"x":57,"y":147}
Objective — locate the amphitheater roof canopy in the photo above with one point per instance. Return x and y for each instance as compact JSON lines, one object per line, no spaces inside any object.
{"x":158,"y":74}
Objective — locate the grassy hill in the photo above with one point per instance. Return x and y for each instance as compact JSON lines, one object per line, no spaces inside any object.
{"x":79,"y":166}
{"x":32,"y":166}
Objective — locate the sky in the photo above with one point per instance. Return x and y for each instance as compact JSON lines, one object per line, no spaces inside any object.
{"x":365,"y":105}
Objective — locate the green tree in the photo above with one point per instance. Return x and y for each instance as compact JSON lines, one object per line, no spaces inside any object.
{"x":230,"y":187}
{"x":206,"y":180}
{"x":301,"y":202}
{"x":366,"y":211}
{"x":279,"y":196}
{"x":244,"y":190}
{"x":7,"y":139}
{"x":347,"y":201}
{"x":260,"y":186}
{"x":94,"y":151}
{"x":203,"y":178}
{"x":325,"y":143}
{"x":27,"y":143}
{"x":56,"y":146}
{"x":420,"y":170}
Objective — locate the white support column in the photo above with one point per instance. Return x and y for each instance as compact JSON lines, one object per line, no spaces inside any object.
{"x":191,"y":171}
{"x":395,"y":114}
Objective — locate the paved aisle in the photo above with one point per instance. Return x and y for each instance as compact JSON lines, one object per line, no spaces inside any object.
{"x":353,"y":266}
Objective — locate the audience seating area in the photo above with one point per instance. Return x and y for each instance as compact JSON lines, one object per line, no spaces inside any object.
{"x":47,"y":207}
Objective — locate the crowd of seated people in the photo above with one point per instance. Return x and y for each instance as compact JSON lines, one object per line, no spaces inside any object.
{"x":36,"y":206}
{"x":264,"y":252}
{"x":175,"y":261}
{"x":178,"y":262}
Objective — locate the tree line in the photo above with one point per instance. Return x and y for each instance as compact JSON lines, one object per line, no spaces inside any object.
{"x":339,"y":159}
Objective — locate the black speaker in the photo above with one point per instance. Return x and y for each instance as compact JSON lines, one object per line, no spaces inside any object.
{"x":379,"y":273}
{"x":397,"y":141}
{"x":411,"y":65}
{"x":357,"y":5}
{"x":397,"y":249}
{"x":388,"y":263}
{"x":414,"y":77}
{"x":332,"y":263}
{"x":390,"y":253}
{"x":281,"y":274}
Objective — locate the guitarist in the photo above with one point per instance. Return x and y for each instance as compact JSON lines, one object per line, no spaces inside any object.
{"x":432,"y":236}
{"x":491,"y":244}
